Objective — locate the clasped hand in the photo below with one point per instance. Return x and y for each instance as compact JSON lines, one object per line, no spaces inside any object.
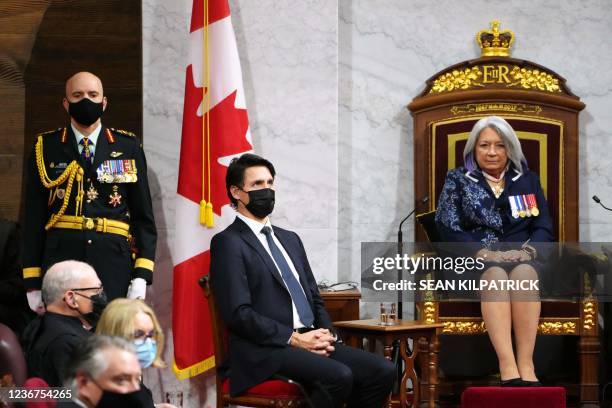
{"x":513,"y":255}
{"x":319,"y":341}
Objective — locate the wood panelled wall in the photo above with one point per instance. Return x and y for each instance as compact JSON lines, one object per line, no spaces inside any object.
{"x":101,"y":36}
{"x":19,"y":22}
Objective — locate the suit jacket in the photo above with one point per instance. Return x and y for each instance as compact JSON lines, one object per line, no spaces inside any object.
{"x":254,"y":302}
{"x":469,"y":212}
{"x":48,"y":343}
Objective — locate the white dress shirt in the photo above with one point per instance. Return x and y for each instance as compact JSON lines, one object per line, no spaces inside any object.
{"x":256,"y":227}
{"x":93,"y":138}
{"x":78,"y":402}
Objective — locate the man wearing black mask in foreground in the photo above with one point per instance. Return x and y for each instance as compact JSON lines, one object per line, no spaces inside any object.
{"x":74,"y":300}
{"x":269,"y":300}
{"x":88,"y":199}
{"x":104,"y":373}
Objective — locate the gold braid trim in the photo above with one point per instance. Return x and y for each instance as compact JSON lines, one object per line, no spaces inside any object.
{"x":73,"y":170}
{"x":80,"y":192}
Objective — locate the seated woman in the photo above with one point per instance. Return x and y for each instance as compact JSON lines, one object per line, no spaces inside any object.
{"x":493,"y":200}
{"x":134,"y":320}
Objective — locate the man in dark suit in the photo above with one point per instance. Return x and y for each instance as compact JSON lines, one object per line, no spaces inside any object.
{"x":74,"y":298}
{"x":104,"y":373}
{"x":269,"y":300}
{"x":88,"y":199}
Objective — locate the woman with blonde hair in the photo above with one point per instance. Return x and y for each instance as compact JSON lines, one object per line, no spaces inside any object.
{"x":135,"y":321}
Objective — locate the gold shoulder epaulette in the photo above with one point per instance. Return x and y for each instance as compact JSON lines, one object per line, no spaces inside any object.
{"x":48,"y":132}
{"x":123,"y":132}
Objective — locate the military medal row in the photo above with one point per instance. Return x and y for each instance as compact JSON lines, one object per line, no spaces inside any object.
{"x":524,"y":205}
{"x":117,"y":171}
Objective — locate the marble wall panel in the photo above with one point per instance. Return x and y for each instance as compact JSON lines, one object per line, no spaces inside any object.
{"x":327,"y":83}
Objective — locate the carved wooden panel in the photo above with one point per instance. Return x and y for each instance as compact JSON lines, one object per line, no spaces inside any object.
{"x":19,"y":22}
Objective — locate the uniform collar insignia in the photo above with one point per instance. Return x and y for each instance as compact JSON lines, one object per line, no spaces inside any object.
{"x":109,"y":136}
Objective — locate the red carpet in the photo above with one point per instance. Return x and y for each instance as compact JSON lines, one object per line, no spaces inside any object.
{"x":510,"y":397}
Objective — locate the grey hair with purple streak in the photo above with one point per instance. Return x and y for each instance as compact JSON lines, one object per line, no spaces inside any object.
{"x":509,"y":137}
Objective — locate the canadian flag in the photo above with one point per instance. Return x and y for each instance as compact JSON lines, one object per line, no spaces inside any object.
{"x":215,"y":130}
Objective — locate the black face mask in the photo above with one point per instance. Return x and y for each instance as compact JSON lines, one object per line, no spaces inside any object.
{"x":85,"y":111}
{"x":133,"y":399}
{"x":98,"y":303}
{"x":261,"y":202}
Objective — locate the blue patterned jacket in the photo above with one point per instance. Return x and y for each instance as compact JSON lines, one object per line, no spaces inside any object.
{"x":469,"y":212}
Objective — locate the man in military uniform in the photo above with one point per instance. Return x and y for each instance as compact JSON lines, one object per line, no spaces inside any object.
{"x":88,"y":199}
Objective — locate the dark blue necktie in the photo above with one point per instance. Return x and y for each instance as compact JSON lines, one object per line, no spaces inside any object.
{"x":295,"y":290}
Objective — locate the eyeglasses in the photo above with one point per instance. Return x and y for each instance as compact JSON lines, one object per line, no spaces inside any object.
{"x":140,"y":336}
{"x":96,"y":288}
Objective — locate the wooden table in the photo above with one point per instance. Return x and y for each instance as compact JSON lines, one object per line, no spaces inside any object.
{"x":342,"y":305}
{"x":425,"y":346}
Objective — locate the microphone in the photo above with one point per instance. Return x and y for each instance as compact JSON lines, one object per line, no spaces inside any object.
{"x":400,"y":237}
{"x":598,"y":201}
{"x":400,"y":249}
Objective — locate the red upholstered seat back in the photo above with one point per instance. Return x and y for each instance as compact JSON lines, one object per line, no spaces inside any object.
{"x":12,"y":362}
{"x":38,"y":383}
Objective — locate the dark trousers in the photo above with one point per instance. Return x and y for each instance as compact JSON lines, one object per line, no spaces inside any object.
{"x":350,"y":375}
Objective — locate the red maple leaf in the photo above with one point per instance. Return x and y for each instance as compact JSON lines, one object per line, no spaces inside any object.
{"x":217,"y":9}
{"x":228,"y":127}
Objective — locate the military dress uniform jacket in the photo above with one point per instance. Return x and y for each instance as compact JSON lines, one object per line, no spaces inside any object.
{"x":469,"y":212}
{"x":99,"y":213}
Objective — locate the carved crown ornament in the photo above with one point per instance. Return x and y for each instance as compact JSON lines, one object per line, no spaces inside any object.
{"x":493,"y":42}
{"x":495,"y":68}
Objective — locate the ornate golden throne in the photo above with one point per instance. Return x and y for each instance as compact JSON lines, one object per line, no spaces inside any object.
{"x":544,"y":112}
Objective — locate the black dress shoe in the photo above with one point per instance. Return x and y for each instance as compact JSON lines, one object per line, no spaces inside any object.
{"x":513,"y":382}
{"x":531,"y":383}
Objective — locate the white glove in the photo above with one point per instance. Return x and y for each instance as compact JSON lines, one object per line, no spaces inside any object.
{"x":35,"y":301}
{"x":137,"y":289}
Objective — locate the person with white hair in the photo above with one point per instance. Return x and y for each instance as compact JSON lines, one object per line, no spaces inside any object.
{"x":497,"y":204}
{"x":103,"y":372}
{"x":74,"y":299}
